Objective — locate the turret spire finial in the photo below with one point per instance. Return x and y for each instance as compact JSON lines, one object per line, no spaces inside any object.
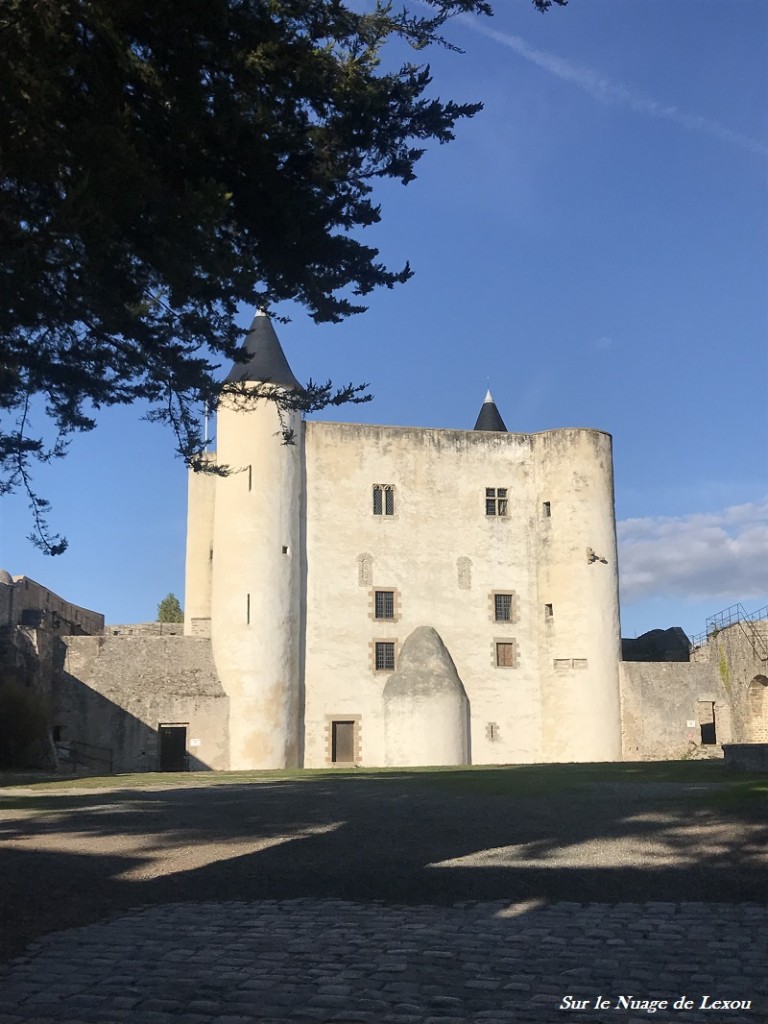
{"x":490,"y":417}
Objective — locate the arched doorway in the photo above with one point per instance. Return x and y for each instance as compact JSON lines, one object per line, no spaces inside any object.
{"x":757,"y":710}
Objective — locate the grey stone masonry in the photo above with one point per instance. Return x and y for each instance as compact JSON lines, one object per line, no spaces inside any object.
{"x":368,"y":963}
{"x":746,"y":757}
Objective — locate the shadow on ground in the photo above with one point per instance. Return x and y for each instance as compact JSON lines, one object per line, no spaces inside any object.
{"x":543,"y":833}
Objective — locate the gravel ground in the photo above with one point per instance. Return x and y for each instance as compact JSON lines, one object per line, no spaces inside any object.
{"x":74,"y":857}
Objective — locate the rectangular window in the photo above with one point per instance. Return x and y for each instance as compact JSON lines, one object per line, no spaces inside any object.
{"x":495,"y":501}
{"x":385,"y":656}
{"x":383,"y":500}
{"x":384,"y":604}
{"x":503,"y":607}
{"x":505,"y":655}
{"x":546,"y":510}
{"x":548,"y":611}
{"x":248,"y":609}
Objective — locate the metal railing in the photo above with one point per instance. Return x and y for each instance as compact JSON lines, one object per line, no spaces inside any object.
{"x":737,"y":615}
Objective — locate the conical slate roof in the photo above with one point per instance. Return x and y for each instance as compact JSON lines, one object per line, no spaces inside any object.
{"x":490,"y":417}
{"x":264,"y":360}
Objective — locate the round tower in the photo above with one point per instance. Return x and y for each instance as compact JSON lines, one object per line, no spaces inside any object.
{"x":578,"y":596}
{"x":256,"y":572}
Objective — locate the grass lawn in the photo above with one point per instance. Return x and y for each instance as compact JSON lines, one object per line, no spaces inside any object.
{"x":514,"y":780}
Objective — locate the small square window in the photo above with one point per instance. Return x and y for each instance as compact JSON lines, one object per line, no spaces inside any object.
{"x":384,"y":604}
{"x":385,"y":656}
{"x":495,"y":501}
{"x":503,"y":607}
{"x":383,"y":500}
{"x":505,"y":655}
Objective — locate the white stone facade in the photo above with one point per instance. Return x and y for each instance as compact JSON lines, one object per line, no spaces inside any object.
{"x":503,"y":543}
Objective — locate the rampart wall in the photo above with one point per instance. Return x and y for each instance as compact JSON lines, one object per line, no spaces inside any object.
{"x":116,"y":691}
{"x":24,"y":595}
{"x":683,"y":709}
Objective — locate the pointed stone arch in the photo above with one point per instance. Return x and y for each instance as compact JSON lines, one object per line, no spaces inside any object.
{"x":757,"y":710}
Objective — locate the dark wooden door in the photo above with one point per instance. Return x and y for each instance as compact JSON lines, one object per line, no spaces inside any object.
{"x":173,"y":748}
{"x":343,"y":742}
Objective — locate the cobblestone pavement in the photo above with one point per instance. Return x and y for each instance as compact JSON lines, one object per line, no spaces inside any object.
{"x":309,"y":960}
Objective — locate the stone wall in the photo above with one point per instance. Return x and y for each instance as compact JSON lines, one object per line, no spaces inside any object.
{"x":746,"y":757}
{"x":114,"y":693}
{"x":737,"y":657}
{"x":145,"y":629}
{"x":670,"y":710}
{"x":662,"y":706}
{"x":542,"y":682}
{"x":53,"y":612}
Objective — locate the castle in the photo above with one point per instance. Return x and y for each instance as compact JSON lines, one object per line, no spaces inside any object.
{"x":385,"y":596}
{"x":311,"y":563}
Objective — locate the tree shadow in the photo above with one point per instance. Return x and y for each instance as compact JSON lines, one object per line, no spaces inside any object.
{"x":398,"y":837}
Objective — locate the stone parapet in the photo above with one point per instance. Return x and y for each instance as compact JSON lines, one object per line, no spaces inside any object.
{"x":746,"y":757}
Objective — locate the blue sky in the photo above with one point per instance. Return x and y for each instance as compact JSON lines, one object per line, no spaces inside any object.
{"x":594,"y":245}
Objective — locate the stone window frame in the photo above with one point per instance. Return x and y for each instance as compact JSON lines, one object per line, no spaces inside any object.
{"x":395,"y":604}
{"x":506,"y":642}
{"x":372,"y":651}
{"x":497,"y":502}
{"x":387,"y":491}
{"x":357,"y":739}
{"x":514,"y":611}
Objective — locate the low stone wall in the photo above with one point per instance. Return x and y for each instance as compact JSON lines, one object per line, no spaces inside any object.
{"x":746,"y":757}
{"x":145,"y":629}
{"x":115,"y":692}
{"x":669,"y":710}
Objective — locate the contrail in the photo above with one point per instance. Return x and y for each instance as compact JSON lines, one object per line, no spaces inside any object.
{"x":600,"y":88}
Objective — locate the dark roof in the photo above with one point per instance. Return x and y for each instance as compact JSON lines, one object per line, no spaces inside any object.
{"x":657,"y":645}
{"x":490,"y":417}
{"x":264,"y":360}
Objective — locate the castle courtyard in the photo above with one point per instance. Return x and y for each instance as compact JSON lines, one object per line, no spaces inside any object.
{"x":496,"y":894}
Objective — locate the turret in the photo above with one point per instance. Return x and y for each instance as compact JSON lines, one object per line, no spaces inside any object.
{"x":256,"y":561}
{"x":489,"y":417}
{"x":578,"y":595}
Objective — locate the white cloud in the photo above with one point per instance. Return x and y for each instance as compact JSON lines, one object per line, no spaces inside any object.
{"x":702,"y":556}
{"x":605,"y":91}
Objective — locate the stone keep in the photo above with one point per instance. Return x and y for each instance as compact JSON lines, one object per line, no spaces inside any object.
{"x":311,"y":563}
